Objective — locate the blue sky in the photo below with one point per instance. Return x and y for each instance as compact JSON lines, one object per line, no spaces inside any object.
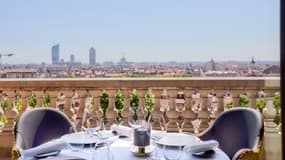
{"x":140,"y":30}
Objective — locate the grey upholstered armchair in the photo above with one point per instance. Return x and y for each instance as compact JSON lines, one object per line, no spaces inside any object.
{"x":239,"y":132}
{"x":40,"y":125}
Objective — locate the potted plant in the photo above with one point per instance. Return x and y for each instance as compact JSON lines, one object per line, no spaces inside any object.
{"x":277,"y":104}
{"x":260,"y":101}
{"x":46,"y":99}
{"x":4,"y":103}
{"x":119,"y":105}
{"x":104,"y":103}
{"x":18,"y":103}
{"x":134,"y":103}
{"x":149,"y":104}
{"x":32,"y":101}
{"x":244,"y":100}
{"x":3,"y":120}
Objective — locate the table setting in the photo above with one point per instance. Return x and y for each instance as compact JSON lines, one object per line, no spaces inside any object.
{"x":123,"y":142}
{"x":139,"y":141}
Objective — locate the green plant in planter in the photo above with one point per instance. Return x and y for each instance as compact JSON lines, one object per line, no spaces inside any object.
{"x":243,"y":100}
{"x":277,"y":104}
{"x":4,"y":103}
{"x":32,"y":100}
{"x":228,"y":100}
{"x":119,"y":105}
{"x":3,"y":120}
{"x":260,"y":103}
{"x":134,"y":103}
{"x":149,"y":104}
{"x":229,"y":104}
{"x":46,"y":99}
{"x":18,"y":103}
{"x":104,"y":103}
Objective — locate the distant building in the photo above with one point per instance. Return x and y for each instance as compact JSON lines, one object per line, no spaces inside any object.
{"x":92,"y":56}
{"x":72,"y":59}
{"x":55,"y":54}
{"x":108,"y":63}
{"x":213,"y":66}
{"x":273,"y":70}
{"x":19,"y":73}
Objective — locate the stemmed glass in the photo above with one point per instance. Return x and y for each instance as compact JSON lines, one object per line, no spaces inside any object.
{"x":91,"y":125}
{"x":172,"y":152}
{"x":74,"y":140}
{"x":156,"y":136}
{"x":136,"y":118}
{"x":102,"y":149}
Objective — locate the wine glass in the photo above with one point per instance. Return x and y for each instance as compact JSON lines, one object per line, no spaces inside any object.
{"x":172,"y":152}
{"x":75,"y":140}
{"x":156,"y":136}
{"x":136,"y":118}
{"x":91,"y":125}
{"x":102,"y":149}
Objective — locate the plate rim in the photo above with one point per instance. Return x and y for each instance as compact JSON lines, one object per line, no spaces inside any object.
{"x":174,"y":133}
{"x":65,"y":137}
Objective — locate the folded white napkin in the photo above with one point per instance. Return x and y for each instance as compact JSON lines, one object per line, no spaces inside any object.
{"x":201,"y":147}
{"x":51,"y":146}
{"x":122,"y":130}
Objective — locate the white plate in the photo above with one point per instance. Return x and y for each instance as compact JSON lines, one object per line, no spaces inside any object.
{"x":80,"y":138}
{"x":177,"y":139}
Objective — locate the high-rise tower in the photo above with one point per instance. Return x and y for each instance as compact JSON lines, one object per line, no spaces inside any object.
{"x":55,"y":54}
{"x":92,"y":56}
{"x":72,"y":59}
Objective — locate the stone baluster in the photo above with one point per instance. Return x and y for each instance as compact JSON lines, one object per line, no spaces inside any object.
{"x":220,"y":106}
{"x":272,"y":136}
{"x":60,"y":102}
{"x":111,"y":113}
{"x":53,"y":95}
{"x":164,"y":108}
{"x":180,"y":108}
{"x":125,"y":111}
{"x":196,"y":107}
{"x":204,"y":114}
{"x":39,"y":98}
{"x":156,"y":109}
{"x":171,"y":113}
{"x":87,"y":108}
{"x":212,"y":105}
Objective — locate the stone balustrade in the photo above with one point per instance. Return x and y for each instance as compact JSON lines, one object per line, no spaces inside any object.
{"x":70,"y":94}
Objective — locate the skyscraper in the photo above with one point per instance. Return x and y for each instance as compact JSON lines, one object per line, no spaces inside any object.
{"x":55,"y":54}
{"x":92,"y":56}
{"x":72,"y":58}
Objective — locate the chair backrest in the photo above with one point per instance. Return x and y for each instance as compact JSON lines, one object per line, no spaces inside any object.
{"x":40,"y":125}
{"x":235,"y":129}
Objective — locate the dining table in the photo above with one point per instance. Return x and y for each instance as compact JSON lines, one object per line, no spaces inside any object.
{"x":123,"y":149}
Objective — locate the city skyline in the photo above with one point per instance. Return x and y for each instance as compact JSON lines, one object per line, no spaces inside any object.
{"x":140,"y":31}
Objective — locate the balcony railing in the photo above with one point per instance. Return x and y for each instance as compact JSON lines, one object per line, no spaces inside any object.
{"x":198,"y":110}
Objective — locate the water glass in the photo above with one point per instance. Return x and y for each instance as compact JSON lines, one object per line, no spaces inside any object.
{"x":102,"y":152}
{"x":75,"y":140}
{"x":102,"y":149}
{"x":172,"y":152}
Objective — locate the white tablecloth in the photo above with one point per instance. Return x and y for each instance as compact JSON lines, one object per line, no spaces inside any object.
{"x":121,"y":151}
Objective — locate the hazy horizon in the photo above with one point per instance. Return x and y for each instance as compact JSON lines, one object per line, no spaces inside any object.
{"x":161,"y":30}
